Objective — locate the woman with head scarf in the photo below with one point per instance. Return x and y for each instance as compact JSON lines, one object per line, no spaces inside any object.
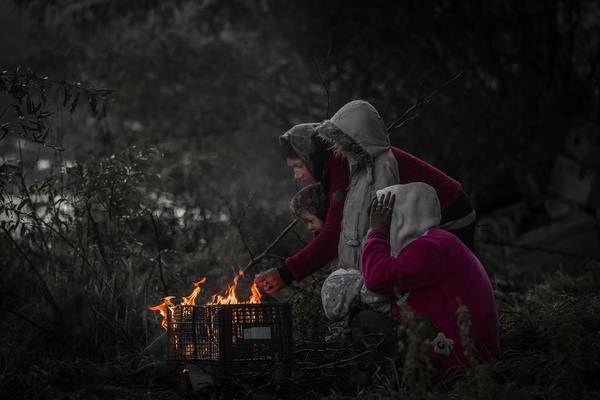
{"x":311,"y":161}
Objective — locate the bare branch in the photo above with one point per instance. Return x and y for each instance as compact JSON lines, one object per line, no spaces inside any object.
{"x":325,"y":81}
{"x":412,"y":112}
{"x":159,"y":256}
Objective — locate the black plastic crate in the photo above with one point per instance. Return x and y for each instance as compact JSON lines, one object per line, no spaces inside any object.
{"x":230,"y":337}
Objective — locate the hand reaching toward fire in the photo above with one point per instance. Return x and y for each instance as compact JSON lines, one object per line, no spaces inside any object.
{"x":269,"y":281}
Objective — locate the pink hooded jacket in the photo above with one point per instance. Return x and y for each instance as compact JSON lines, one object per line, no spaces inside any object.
{"x":435,"y":269}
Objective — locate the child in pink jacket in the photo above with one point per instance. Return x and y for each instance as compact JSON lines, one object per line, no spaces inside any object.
{"x":406,"y":253}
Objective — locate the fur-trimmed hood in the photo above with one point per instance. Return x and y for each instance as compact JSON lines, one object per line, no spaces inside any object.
{"x":356,"y":131}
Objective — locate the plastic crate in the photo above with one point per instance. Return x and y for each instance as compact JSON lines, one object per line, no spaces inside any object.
{"x":230,"y":337}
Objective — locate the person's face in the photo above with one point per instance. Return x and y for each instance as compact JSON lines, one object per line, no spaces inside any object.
{"x":301,"y":172}
{"x":313,"y":223}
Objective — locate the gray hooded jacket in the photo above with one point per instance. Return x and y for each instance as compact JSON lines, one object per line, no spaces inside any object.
{"x":358,"y":132}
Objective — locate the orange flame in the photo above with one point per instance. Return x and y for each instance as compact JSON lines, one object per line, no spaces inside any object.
{"x":256,"y":297}
{"x":164,"y":309}
{"x":229,"y":297}
{"x":191,"y":299}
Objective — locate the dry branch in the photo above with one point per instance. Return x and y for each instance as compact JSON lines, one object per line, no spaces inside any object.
{"x":411,"y":113}
{"x":159,"y":256}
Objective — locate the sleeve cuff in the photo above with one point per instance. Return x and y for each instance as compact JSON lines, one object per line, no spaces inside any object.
{"x":375,"y":232}
{"x":286,"y":275}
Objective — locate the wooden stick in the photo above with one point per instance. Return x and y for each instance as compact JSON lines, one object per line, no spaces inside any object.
{"x":269,"y":247}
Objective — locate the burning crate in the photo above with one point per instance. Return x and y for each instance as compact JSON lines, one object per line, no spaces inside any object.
{"x":230,"y":337}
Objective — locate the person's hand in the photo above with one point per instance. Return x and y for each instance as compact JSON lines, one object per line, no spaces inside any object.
{"x":380,"y":212}
{"x":269,"y":281}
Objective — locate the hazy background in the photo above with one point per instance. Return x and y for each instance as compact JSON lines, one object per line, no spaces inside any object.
{"x":212,"y":84}
{"x":168,"y":168}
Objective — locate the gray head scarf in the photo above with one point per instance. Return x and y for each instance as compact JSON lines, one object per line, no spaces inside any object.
{"x":301,"y":139}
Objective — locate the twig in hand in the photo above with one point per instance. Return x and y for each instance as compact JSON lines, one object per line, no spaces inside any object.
{"x":407,"y":115}
{"x":269,"y":247}
{"x":265,"y":252}
{"x":297,"y":235}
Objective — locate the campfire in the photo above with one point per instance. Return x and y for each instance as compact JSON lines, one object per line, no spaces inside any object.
{"x":228,"y":332}
{"x":228,"y":297}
